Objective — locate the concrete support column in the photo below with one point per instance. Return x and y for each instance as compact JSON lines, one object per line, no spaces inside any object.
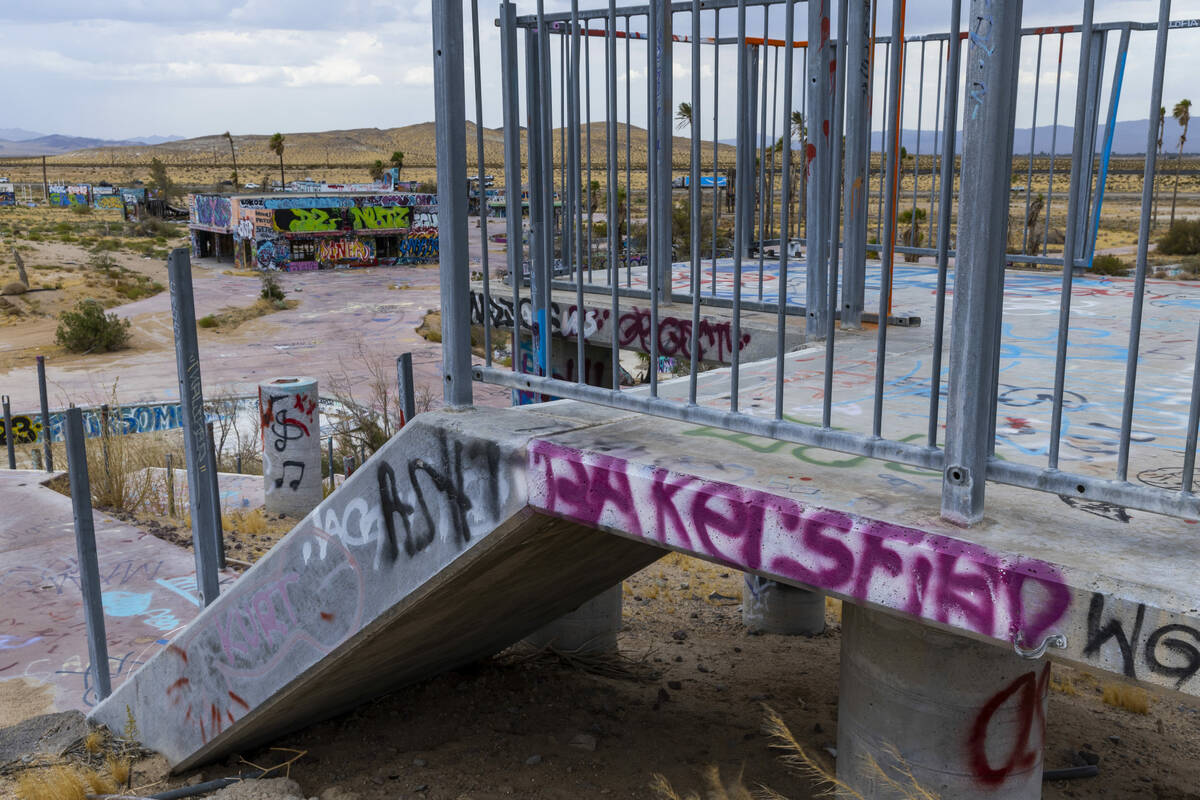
{"x":773,"y":607}
{"x":968,"y":719}
{"x":591,"y":628}
{"x":289,"y":417}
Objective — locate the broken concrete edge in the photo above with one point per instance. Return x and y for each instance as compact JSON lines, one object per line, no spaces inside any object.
{"x":212,"y":673}
{"x":950,"y":584}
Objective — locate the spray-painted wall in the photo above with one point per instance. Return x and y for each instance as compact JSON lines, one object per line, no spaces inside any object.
{"x":70,"y":195}
{"x":107,"y":197}
{"x":8,"y":195}
{"x":295,"y":232}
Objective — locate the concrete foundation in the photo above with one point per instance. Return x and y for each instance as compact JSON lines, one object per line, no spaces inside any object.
{"x":773,"y":607}
{"x":291,"y":440}
{"x":591,"y":628}
{"x":965,"y":719}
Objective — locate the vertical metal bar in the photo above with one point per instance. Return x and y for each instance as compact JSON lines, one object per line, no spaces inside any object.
{"x":771,"y":140}
{"x":587,"y":90}
{"x":1110,"y":125}
{"x":1143,"y":246}
{"x":85,"y":548}
{"x":1189,"y":453}
{"x":170,"y":484}
{"x":200,"y":467}
{"x":1037,"y":85}
{"x":43,"y":396}
{"x":1078,"y":214}
{"x":715,"y":140}
{"x":576,"y":196}
{"x":750,"y":120}
{"x":653,"y":189}
{"x":542,"y":271}
{"x":329,"y":448}
{"x":405,"y":390}
{"x":887,"y":249}
{"x":1069,"y":244}
{"x":694,"y":189}
{"x":1053,"y":144}
{"x":483,"y":206}
{"x":789,"y":31}
{"x":761,"y":162}
{"x":917,"y":155}
{"x":739,"y":226}
{"x":9,"y":438}
{"x":565,"y":252}
{"x":993,"y":66}
{"x":628,"y":166}
{"x":883,"y":140}
{"x":938,"y":155}
{"x":539,"y":220}
{"x":717,"y":180}
{"x":835,"y":199}
{"x":610,"y":47}
{"x":945,"y":203}
{"x":819,"y":159}
{"x":664,"y":107}
{"x":455,"y":271}
{"x":857,"y":57}
{"x":513,"y":203}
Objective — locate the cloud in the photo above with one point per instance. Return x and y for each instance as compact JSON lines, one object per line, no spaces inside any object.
{"x":419,"y":76}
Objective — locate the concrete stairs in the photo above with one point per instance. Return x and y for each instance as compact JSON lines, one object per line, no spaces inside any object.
{"x":427,"y":558}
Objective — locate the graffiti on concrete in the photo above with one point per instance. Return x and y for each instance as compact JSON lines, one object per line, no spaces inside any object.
{"x":210,"y":210}
{"x":1170,"y":651}
{"x":921,"y":574}
{"x":27,"y":428}
{"x":345,"y":250}
{"x":1026,"y":696}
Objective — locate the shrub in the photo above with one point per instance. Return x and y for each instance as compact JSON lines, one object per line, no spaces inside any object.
{"x":271,"y":290}
{"x":208,"y":321}
{"x":1109,"y":265}
{"x":1181,"y":239}
{"x":81,"y":209}
{"x":88,"y":328}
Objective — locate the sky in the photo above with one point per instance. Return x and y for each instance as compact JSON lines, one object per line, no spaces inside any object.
{"x":127,"y":68}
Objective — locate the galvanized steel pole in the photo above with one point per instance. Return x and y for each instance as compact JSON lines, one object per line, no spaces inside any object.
{"x":993,"y":64}
{"x":820,"y":91}
{"x":46,"y":432}
{"x":202,"y":473}
{"x":9,"y":437}
{"x":85,"y":547}
{"x":857,"y":57}
{"x":405,"y":394}
{"x":454,"y":272}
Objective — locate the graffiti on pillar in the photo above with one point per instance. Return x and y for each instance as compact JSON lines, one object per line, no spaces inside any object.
{"x":1023,"y":737}
{"x":922,"y":574}
{"x":345,"y":250}
{"x":286,"y":418}
{"x":1119,"y":634}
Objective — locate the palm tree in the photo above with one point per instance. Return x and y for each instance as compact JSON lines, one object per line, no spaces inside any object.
{"x":376,"y":170}
{"x":233,"y":153}
{"x":683,"y":117}
{"x":1162,"y":120}
{"x":276,"y":147}
{"x":1182,"y":114}
{"x":397,"y":159}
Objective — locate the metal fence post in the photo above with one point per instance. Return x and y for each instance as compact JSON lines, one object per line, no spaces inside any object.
{"x":404,"y":386}
{"x":170,"y":485}
{"x":215,"y":496}
{"x":200,"y":468}
{"x":454,"y":273}
{"x":8,"y":434}
{"x":857,"y":58}
{"x":992,"y":64}
{"x":820,"y":91}
{"x":330,"y":459}
{"x":662,"y":81}
{"x":46,"y":451}
{"x":85,"y":545}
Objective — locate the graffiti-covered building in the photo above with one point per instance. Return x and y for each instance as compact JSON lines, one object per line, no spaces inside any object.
{"x":8,"y":195}
{"x":296,"y":231}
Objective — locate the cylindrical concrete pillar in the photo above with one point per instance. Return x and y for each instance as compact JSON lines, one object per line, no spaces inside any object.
{"x":774,"y":607}
{"x":591,"y":628}
{"x":289,"y":417}
{"x":966,"y":719}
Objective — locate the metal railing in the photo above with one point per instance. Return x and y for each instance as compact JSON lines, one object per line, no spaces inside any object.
{"x":847,"y":79}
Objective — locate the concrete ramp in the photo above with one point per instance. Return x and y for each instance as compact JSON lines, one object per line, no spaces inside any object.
{"x":427,"y":558}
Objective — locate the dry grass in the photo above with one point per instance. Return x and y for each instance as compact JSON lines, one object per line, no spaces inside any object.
{"x":55,"y":783}
{"x":231,"y":317}
{"x":120,"y":767}
{"x":1131,"y":698}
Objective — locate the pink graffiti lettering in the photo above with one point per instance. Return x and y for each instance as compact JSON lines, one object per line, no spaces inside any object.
{"x":675,"y":336}
{"x":924,"y":574}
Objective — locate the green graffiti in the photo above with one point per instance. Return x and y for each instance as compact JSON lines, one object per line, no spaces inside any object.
{"x":809,"y":454}
{"x":304,"y":220}
{"x":377,"y":218}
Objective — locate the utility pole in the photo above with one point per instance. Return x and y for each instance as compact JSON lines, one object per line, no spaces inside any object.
{"x":45,"y":182}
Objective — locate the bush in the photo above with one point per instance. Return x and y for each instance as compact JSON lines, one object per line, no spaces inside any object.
{"x":81,"y":209}
{"x":207,"y":322}
{"x":88,"y":328}
{"x":1181,"y":239}
{"x":1109,"y":265}
{"x":271,"y":290}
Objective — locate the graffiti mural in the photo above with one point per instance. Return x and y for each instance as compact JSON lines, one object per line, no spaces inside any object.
{"x":211,"y":210}
{"x":8,"y":195}
{"x":65,"y":196}
{"x":28,"y":429}
{"x":345,"y":250}
{"x":317,"y":220}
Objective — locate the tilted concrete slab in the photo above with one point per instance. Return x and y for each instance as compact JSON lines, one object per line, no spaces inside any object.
{"x":428,"y":557}
{"x":471,"y":529}
{"x":714,"y":333}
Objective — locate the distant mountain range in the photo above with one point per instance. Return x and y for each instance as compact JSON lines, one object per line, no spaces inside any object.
{"x":1129,"y":138}
{"x":20,"y":142}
